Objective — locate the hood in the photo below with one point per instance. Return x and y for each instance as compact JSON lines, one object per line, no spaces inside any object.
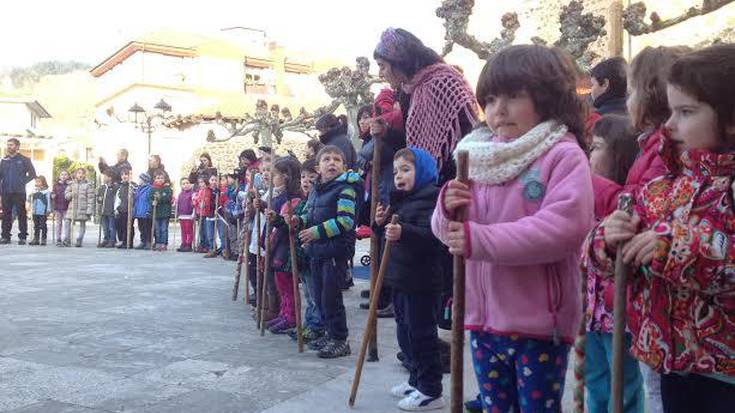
{"x":696,"y":162}
{"x":425,"y":165}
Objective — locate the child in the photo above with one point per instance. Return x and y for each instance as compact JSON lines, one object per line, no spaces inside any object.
{"x":142,"y":211}
{"x":58,"y":198}
{"x":122,"y":208}
{"x":329,"y":237}
{"x":680,"y":309}
{"x":185,"y":212}
{"x":106,"y":201}
{"x":225,"y":183}
{"x":160,"y":198}
{"x":202,"y":200}
{"x":259,"y":191}
{"x":313,"y":324}
{"x":414,"y":275}
{"x":520,"y":240}
{"x":80,"y":195}
{"x":232,"y":219}
{"x":614,"y":149}
{"x":287,"y":184}
{"x":210,"y":218}
{"x":40,"y":208}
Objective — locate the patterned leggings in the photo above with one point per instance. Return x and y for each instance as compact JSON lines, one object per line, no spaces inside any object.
{"x":518,"y":374}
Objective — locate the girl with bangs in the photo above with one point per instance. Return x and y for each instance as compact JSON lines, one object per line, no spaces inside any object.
{"x":530,"y":206}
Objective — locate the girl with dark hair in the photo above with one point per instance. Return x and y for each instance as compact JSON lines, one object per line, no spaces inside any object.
{"x":437,"y":104}
{"x":287,"y":189}
{"x":528,"y":170}
{"x":204,"y":170}
{"x":313,"y":146}
{"x":678,"y":242}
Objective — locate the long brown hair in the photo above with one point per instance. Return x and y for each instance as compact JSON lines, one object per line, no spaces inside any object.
{"x":709,"y":76}
{"x":649,"y":72}
{"x":620,"y":140}
{"x":546,"y":73}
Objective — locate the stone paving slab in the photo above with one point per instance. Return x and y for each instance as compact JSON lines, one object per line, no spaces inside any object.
{"x":84,"y":330}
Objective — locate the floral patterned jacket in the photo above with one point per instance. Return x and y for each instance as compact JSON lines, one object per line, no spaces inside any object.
{"x":681,"y":307}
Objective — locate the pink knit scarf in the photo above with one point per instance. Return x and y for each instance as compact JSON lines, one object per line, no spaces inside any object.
{"x":439,"y":93}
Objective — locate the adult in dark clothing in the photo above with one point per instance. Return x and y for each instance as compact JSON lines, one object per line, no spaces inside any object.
{"x":156,"y":166}
{"x":16,"y":171}
{"x":609,"y":90}
{"x":114,"y":171}
{"x":437,"y":104}
{"x":414,"y":274}
{"x":204,"y":170}
{"x":332,"y":131}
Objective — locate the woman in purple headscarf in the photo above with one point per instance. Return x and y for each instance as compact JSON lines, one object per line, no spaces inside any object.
{"x":437,"y":104}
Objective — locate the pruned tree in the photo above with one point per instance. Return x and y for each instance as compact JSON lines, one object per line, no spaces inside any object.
{"x":635,"y":14}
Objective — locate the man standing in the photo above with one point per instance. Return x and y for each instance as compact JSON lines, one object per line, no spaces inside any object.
{"x":15,"y":172}
{"x":114,"y":170}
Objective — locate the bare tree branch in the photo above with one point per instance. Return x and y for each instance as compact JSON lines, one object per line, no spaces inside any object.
{"x":635,"y":14}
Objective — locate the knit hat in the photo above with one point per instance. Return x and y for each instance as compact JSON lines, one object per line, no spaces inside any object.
{"x":390,"y":45}
{"x":425,"y":166}
{"x":145,"y":177}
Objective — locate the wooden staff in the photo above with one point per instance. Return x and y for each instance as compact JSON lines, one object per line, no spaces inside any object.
{"x":216,"y":219}
{"x":374,"y":238}
{"x":53,"y":218}
{"x":457,"y":349}
{"x":153,"y":222}
{"x":200,"y":223}
{"x":625,"y":204}
{"x":175,"y":204}
{"x":99,"y":219}
{"x":267,"y":264}
{"x":74,"y":210}
{"x":129,"y":226}
{"x":295,"y":277}
{"x":372,"y":318}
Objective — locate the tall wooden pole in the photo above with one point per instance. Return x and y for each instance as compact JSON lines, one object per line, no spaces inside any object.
{"x":615,"y":34}
{"x":625,"y":203}
{"x":457,"y":349}
{"x":374,"y":239}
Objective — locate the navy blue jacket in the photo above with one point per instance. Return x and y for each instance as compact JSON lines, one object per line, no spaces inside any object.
{"x":15,"y":173}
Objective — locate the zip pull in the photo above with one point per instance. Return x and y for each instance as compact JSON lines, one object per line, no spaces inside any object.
{"x":448,"y":309}
{"x":555,"y":336}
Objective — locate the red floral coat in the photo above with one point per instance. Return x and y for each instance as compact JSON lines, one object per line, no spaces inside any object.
{"x":681,"y":307}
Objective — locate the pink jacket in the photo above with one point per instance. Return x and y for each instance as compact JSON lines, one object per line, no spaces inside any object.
{"x":524,"y":239}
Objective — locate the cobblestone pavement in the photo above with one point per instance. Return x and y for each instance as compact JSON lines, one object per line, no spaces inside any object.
{"x":91,"y":330}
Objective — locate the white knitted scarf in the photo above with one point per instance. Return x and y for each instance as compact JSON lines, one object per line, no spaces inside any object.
{"x":494,"y":163}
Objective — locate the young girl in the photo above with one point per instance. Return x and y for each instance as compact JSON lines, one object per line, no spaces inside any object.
{"x":80,"y":194}
{"x":521,"y":240}
{"x":185,"y":212}
{"x":202,"y":200}
{"x":40,"y":208}
{"x":287,"y":183}
{"x":679,"y":242}
{"x":209,"y":219}
{"x":614,"y":149}
{"x":60,"y":203}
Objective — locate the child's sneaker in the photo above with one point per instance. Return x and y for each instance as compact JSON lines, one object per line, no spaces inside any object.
{"x":402,"y":390}
{"x":334,"y":349}
{"x":319,"y":343}
{"x":58,"y":243}
{"x":273,"y":322}
{"x":282,"y":328}
{"x":419,"y":402}
{"x":78,"y":244}
{"x":474,"y":406}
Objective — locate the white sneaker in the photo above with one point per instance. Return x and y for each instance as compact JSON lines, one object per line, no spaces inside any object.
{"x":418,"y":402}
{"x":402,"y":390}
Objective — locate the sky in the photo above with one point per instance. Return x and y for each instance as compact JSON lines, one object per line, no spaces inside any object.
{"x":90,"y":31}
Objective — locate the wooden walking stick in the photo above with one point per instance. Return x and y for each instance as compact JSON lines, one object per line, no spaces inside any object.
{"x":129,"y":226}
{"x":374,"y":238}
{"x":267,"y":264}
{"x":200,"y":223}
{"x":372,"y":318}
{"x":153,"y":222}
{"x":216,"y":218}
{"x":74,"y":210}
{"x":175,"y":204}
{"x":295,"y":278}
{"x":99,"y":217}
{"x":625,"y":204}
{"x":457,"y":348}
{"x":53,"y":218}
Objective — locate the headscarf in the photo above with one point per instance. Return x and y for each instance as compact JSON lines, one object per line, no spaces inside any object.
{"x":425,"y":166}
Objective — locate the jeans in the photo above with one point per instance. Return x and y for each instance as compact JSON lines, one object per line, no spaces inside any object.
{"x":207,"y":241}
{"x":70,"y":227}
{"x":40,"y":229}
{"x":598,"y":376}
{"x":17,"y":201}
{"x":418,"y":338}
{"x":312,"y":317}
{"x":222,"y":235}
{"x":327,"y":278}
{"x":122,"y":230}
{"x":108,"y":228}
{"x":161,"y":233}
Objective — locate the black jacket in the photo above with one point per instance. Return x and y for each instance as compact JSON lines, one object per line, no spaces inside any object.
{"x":106,"y":199}
{"x":337,"y":136}
{"x":15,"y":173}
{"x":114,"y":171}
{"x":415,"y":260}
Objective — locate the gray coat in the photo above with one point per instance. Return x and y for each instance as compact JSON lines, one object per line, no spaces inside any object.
{"x":81,"y":197}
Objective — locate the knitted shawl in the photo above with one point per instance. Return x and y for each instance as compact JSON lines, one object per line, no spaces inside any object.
{"x":438,"y":95}
{"x":493,"y":162}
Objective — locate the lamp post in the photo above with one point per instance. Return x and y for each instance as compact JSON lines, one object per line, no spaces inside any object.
{"x":146,"y":121}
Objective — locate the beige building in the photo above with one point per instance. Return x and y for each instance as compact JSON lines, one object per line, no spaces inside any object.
{"x":195,"y":74}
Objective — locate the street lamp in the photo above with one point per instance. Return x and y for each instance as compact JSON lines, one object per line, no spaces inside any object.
{"x":145,"y":121}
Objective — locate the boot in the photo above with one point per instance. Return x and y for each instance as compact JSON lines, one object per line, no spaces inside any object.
{"x":272,"y":306}
{"x":34,"y":241}
{"x":43,"y":241}
{"x":211,"y":254}
{"x":78,"y":244}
